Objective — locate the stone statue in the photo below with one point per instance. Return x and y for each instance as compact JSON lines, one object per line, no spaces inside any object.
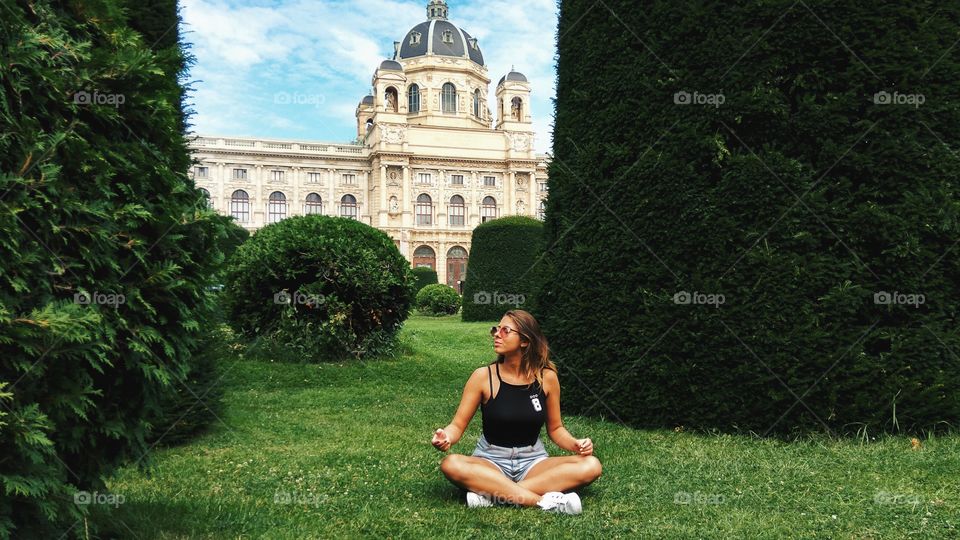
{"x":515,"y":109}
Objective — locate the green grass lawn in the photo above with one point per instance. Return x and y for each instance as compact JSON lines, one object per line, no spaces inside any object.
{"x":343,"y":450}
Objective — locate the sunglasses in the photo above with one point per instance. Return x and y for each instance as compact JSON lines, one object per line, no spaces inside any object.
{"x":503,"y":330}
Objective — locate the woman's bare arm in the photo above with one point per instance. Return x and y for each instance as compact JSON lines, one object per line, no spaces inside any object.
{"x":472,"y":394}
{"x":558,"y":434}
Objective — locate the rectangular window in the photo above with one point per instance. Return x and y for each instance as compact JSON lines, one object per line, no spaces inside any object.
{"x":349,"y":179}
{"x":313,"y":178}
{"x":424,"y":178}
{"x":276,"y":176}
{"x":456,"y":179}
{"x":543,"y":187}
{"x":239,"y":174}
{"x":490,"y":181}
{"x":456,"y":215}
{"x":203,"y":172}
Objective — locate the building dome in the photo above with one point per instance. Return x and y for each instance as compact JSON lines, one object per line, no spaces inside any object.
{"x":367,"y":100}
{"x":513,"y":76}
{"x":440,"y":37}
{"x":391,"y":65}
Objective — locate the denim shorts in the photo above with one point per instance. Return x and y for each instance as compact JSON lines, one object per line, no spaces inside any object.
{"x":514,"y":462}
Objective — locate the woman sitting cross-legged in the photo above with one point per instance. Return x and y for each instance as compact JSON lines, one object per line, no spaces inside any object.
{"x":517,"y":394}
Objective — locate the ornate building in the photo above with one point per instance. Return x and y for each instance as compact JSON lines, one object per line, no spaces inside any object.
{"x":433,"y":163}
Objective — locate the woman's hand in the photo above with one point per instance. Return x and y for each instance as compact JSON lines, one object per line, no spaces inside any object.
{"x":584,"y":447}
{"x":441,"y":441}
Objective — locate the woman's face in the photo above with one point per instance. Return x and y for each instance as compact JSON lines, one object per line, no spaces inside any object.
{"x":507,"y":340}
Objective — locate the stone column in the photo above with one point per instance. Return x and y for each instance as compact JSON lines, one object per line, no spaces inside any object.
{"x":473,"y":204}
{"x":222,"y":184}
{"x":382,"y":186}
{"x":407,"y":202}
{"x":442,"y":263}
{"x":333,"y":205}
{"x":511,"y":193}
{"x":257,"y":210}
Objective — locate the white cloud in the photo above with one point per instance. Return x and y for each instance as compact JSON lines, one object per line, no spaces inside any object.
{"x":247,"y":53}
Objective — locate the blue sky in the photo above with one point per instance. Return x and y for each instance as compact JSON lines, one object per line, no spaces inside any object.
{"x":296,"y":69}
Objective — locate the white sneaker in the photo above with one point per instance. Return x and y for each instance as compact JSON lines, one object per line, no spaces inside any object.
{"x":564,"y":503}
{"x":476,"y":500}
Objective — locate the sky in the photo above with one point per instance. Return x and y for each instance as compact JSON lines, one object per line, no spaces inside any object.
{"x":296,"y":69}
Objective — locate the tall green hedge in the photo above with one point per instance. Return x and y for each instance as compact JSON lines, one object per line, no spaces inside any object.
{"x":107,"y":252}
{"x":504,"y":269}
{"x":742,"y":235}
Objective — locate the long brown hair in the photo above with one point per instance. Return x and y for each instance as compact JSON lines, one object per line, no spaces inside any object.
{"x":536,"y":355}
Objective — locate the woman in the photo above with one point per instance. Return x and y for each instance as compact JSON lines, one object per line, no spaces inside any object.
{"x":517,"y":394}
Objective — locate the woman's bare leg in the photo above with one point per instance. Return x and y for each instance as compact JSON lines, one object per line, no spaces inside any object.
{"x":480,"y":476}
{"x":562,"y":473}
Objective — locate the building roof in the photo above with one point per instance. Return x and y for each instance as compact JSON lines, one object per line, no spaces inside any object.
{"x":513,"y":76}
{"x":438,"y":36}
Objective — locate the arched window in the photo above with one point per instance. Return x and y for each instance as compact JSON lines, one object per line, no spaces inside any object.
{"x":413,"y":99}
{"x":240,"y":206}
{"x":276,"y":207}
{"x":476,"y":103}
{"x":449,"y":98}
{"x":348,"y":207}
{"x":313,"y":205}
{"x":456,"y":266}
{"x":542,"y":210}
{"x":208,"y":201}
{"x":425,"y":256}
{"x":390,"y":99}
{"x":516,"y":109}
{"x":424,"y":210}
{"x":457,"y":211}
{"x":488,"y":209}
{"x":369,"y":124}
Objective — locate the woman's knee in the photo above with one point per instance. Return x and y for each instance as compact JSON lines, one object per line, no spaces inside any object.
{"x":452,"y":466}
{"x":591,"y":468}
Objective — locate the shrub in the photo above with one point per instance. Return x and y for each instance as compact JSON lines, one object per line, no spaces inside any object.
{"x":329,"y":286}
{"x":801,"y":199}
{"x":438,"y":299}
{"x":503,"y":269}
{"x":107,"y":256}
{"x":424,"y":276}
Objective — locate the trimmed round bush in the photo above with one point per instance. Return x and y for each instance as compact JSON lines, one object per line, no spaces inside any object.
{"x":424,"y":276}
{"x":331,"y":287}
{"x":438,"y":299}
{"x":504,"y":268}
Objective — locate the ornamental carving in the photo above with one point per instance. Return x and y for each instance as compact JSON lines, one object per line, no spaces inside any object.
{"x":392,"y":133}
{"x":519,"y":142}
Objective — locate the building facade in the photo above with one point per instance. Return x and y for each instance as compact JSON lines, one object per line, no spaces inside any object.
{"x":433,"y":162}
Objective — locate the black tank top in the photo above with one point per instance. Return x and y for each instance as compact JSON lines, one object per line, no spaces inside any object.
{"x":515,"y":416}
